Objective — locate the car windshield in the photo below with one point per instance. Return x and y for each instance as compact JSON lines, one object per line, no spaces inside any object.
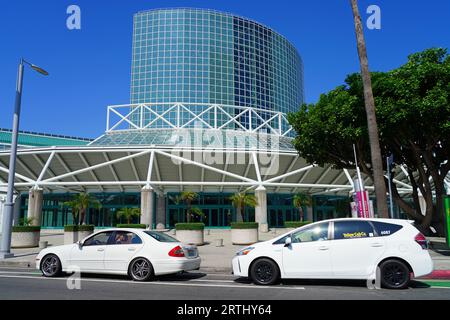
{"x":161,"y":237}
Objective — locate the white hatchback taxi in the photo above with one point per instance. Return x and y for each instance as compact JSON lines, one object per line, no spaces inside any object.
{"x":140,"y":254}
{"x":340,"y":249}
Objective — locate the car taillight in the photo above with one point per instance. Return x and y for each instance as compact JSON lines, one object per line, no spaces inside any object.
{"x":177,"y":252}
{"x":422,"y":241}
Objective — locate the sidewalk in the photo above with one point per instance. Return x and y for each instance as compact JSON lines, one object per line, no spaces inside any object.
{"x":218,"y":259}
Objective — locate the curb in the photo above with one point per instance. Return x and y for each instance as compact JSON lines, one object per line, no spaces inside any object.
{"x":17,"y":264}
{"x":437,"y":275}
{"x":215,"y":270}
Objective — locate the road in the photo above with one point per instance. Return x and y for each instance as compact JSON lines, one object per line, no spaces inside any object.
{"x":29,"y":284}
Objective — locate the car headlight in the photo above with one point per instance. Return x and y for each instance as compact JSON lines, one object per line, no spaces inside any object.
{"x":245,"y":251}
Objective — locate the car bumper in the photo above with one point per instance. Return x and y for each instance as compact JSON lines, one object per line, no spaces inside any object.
{"x":240,"y":266}
{"x":422,"y":265}
{"x":178,"y":265}
{"x":38,"y":263}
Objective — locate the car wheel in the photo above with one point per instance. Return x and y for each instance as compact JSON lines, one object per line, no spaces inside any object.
{"x":264,"y":272}
{"x":51,"y":266}
{"x":141,"y":270}
{"x":394,"y":274}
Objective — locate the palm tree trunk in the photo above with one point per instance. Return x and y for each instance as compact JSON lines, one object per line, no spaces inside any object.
{"x":375,"y":150}
{"x":188,"y":213}
{"x":74,"y":217}
{"x":82,"y":216}
{"x":300,"y":210}
{"x":239,"y":215}
{"x":243,"y":213}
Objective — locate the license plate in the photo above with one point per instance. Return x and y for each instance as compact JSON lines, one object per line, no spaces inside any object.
{"x":191,"y":253}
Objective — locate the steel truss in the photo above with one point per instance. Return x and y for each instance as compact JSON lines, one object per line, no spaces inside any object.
{"x":129,"y":168}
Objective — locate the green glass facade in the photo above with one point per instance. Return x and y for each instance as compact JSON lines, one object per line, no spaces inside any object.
{"x":56,"y":215}
{"x":216,"y":207}
{"x":205,"y":56}
{"x":33,"y":139}
{"x":217,"y":139}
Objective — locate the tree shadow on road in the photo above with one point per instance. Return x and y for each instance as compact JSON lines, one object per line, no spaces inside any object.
{"x":440,"y":247}
{"x":182,"y":276}
{"x":414,"y":284}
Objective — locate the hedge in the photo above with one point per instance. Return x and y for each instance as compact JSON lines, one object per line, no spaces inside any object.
{"x":296,"y":224}
{"x":22,"y":229}
{"x":132,"y":226}
{"x":75,"y":228}
{"x":190,"y":226}
{"x":244,"y":225}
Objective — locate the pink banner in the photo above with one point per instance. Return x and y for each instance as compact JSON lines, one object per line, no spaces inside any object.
{"x":363,"y":209}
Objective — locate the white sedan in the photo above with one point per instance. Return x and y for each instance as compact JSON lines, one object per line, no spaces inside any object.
{"x":391,"y":251}
{"x":140,"y":254}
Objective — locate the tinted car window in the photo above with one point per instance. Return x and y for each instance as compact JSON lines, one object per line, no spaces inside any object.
{"x":352,"y":230}
{"x":317,"y":232}
{"x":124,"y":237}
{"x":384,"y":229}
{"x":100,"y":239}
{"x":161,"y":237}
{"x":282,"y":240}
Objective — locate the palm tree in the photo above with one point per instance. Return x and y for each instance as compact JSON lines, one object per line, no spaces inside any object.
{"x":299,"y":201}
{"x":79,"y":204}
{"x":375,"y":150}
{"x":241,"y":200}
{"x":198,"y":213}
{"x":128,"y":213}
{"x":188,"y":197}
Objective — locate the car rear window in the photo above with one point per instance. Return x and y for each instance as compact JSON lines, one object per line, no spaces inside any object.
{"x":160,"y":236}
{"x":385,"y":229}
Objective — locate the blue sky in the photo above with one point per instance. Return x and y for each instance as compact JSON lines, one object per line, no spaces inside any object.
{"x":90,"y":68}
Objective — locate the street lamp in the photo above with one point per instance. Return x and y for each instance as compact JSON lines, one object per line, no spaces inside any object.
{"x":5,"y":247}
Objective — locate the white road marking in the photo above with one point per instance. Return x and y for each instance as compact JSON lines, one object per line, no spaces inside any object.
{"x":159,"y":283}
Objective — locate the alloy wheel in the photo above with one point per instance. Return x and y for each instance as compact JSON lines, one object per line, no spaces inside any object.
{"x":264,"y":272}
{"x":395,"y":274}
{"x":141,"y":269}
{"x":50,"y":266}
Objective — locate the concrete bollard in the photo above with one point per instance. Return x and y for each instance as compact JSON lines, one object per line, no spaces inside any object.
{"x":43,"y":244}
{"x":218,"y":242}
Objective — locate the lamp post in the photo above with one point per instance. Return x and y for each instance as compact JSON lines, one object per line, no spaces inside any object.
{"x":5,"y":247}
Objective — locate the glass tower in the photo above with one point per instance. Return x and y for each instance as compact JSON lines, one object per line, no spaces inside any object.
{"x":205,"y":56}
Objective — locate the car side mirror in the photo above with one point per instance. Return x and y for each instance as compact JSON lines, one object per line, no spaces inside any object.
{"x":288,"y":242}
{"x":80,"y":243}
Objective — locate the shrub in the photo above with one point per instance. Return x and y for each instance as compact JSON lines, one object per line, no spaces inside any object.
{"x":244,"y":225}
{"x":25,"y":229}
{"x":190,"y":226}
{"x":77,"y":228}
{"x":296,"y":224}
{"x":132,"y":226}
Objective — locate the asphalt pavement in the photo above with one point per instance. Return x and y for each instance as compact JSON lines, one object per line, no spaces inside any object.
{"x":23,"y":283}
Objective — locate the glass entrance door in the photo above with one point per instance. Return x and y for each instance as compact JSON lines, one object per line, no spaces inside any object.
{"x":217,"y":217}
{"x":279,"y":215}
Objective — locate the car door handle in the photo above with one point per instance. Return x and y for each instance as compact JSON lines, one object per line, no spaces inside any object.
{"x":376,"y":245}
{"x":100,"y":250}
{"x":131,"y":249}
{"x":324,"y":248}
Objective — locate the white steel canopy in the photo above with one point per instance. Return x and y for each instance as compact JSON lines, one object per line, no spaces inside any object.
{"x":225,"y":161}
